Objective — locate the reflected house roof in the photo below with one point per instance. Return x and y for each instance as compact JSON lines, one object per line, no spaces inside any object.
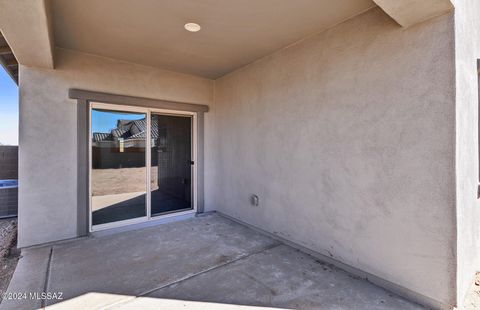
{"x":127,"y":130}
{"x":101,"y":136}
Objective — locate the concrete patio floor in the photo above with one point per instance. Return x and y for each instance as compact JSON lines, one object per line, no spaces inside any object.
{"x":207,"y":262}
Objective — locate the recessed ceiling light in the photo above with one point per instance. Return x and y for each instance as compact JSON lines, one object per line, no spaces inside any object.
{"x":192,"y":27}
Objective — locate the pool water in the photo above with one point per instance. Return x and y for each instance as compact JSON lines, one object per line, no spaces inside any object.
{"x":8,"y":184}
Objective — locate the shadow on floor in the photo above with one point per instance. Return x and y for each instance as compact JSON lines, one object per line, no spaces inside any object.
{"x":124,"y":302}
{"x":136,"y":207}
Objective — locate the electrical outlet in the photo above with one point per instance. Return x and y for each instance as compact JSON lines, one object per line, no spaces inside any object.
{"x":254,"y":200}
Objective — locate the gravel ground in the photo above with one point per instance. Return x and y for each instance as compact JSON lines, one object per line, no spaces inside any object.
{"x":8,"y":258}
{"x":473,"y":298}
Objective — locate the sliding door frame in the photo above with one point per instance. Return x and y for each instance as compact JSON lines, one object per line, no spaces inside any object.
{"x":148,"y":112}
{"x":110,"y":107}
{"x":83,"y":99}
{"x":193,"y":156}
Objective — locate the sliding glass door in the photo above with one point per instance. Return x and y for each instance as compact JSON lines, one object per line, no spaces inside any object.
{"x":118,"y":166}
{"x":171,"y":164}
{"x":141,"y":164}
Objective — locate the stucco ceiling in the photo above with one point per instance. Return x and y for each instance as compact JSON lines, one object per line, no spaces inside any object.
{"x":234,"y":32}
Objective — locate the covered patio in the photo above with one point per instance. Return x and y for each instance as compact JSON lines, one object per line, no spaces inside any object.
{"x":269,"y":139}
{"x":208,"y":259}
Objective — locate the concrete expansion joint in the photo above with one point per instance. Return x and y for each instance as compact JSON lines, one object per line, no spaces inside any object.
{"x":190,"y":276}
{"x":47,"y":275}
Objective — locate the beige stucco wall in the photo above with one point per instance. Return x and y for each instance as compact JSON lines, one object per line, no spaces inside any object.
{"x":48,"y":131}
{"x":348,"y":140}
{"x":467,"y":51}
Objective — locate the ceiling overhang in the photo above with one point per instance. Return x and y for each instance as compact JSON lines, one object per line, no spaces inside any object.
{"x":410,"y":12}
{"x":26,"y":26}
{"x":8,"y":60}
{"x":151,"y":32}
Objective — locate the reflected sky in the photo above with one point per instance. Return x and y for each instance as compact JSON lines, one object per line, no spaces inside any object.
{"x":8,"y":109}
{"x":105,"y":121}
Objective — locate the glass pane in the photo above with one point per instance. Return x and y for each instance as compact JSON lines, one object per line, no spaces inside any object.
{"x":118,"y":166}
{"x":171,"y":166}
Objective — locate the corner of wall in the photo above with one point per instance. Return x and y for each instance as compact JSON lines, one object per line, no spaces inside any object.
{"x":467,"y":51}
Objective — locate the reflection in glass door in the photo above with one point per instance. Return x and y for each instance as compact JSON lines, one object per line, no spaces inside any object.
{"x":118,"y":166}
{"x":171,"y":164}
{"x":141,"y":164}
